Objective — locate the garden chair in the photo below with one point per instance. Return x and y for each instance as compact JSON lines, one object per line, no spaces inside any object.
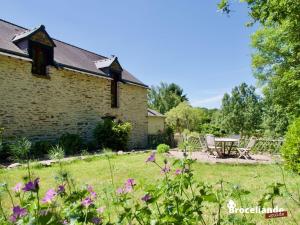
{"x":212,"y":149}
{"x":244,"y":152}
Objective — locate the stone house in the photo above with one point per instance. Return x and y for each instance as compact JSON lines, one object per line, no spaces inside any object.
{"x":156,"y":122}
{"x":49,"y":87}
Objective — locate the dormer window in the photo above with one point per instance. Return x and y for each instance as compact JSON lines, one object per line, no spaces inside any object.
{"x":42,"y":56}
{"x":111,"y":67}
{"x":39,"y":46}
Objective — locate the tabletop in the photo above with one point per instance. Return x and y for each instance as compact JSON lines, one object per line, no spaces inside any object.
{"x":226,"y":139}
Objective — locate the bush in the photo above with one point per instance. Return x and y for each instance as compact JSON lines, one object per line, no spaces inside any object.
{"x":110,"y":134}
{"x":164,"y":137}
{"x":163,"y":148}
{"x":39,"y":149}
{"x":20,"y":150}
{"x":71,"y":143}
{"x":291,"y":147}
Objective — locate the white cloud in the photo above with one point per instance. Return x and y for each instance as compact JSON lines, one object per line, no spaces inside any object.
{"x":210,"y":102}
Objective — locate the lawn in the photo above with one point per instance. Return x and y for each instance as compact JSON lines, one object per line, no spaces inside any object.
{"x":95,"y":171}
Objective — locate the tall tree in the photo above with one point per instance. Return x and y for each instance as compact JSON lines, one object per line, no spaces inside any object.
{"x":241,"y":111}
{"x":276,"y":61}
{"x":165,"y":97}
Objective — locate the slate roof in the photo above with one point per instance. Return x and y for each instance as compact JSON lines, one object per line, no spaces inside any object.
{"x":65,"y":55}
{"x":152,"y":112}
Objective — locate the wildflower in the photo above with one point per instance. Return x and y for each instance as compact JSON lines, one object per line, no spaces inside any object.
{"x":18,"y":187}
{"x":87,"y":202}
{"x":166,"y":169}
{"x":65,"y":222}
{"x":90,"y":188}
{"x":146,"y":198}
{"x":178,"y":172}
{"x":50,"y":195}
{"x":32,"y":186}
{"x":130,"y":182}
{"x":96,"y":220}
{"x":151,"y":158}
{"x":101,"y":209}
{"x":18,"y":212}
{"x":61,"y":189}
{"x":120,"y":191}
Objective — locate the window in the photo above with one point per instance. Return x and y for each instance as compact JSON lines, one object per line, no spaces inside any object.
{"x":42,"y":56}
{"x":114,"y":90}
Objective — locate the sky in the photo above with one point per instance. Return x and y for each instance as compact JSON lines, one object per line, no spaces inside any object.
{"x":187,"y":42}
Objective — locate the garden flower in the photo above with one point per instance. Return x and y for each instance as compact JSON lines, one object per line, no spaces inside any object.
{"x":18,"y":187}
{"x":87,"y":202}
{"x":18,"y":212}
{"x":96,"y":220}
{"x":146,"y":198}
{"x":50,"y":195}
{"x":166,"y":169}
{"x":32,"y":186}
{"x":151,"y":158}
{"x":61,"y":189}
{"x":178,"y":171}
{"x":130,"y":182}
{"x":101,"y":209}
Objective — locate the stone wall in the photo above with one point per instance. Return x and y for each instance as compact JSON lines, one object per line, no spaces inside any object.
{"x":155,"y":124}
{"x":67,"y":101}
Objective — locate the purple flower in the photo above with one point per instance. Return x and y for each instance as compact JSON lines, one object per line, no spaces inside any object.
{"x":61,"y":189}
{"x":50,"y":195}
{"x":151,"y":158}
{"x":18,"y":212}
{"x":166,"y":169}
{"x":130,"y":182}
{"x":146,"y":198}
{"x":178,"y":171}
{"x":18,"y":187}
{"x":120,"y":191}
{"x":87,"y":202}
{"x":65,"y":222}
{"x":101,"y":209}
{"x":96,"y":220}
{"x":32,"y":186}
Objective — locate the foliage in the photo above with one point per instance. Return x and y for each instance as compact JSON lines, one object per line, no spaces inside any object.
{"x":56,"y":153}
{"x":163,"y":137}
{"x":184,"y":116}
{"x":291,"y":147}
{"x":176,"y":199}
{"x":72,"y":143}
{"x":111,"y":134}
{"x":241,"y":111}
{"x":276,"y":61}
{"x":165,"y":97}
{"x":39,"y":149}
{"x":163,"y":148}
{"x":20,"y":150}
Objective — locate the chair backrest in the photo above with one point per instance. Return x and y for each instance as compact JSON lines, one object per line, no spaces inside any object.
{"x":251,"y":143}
{"x":210,"y":140}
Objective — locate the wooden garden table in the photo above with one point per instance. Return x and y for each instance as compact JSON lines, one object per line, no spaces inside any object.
{"x":226,"y":142}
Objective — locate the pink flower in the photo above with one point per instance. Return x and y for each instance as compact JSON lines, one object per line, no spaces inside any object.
{"x":50,"y":195}
{"x":166,"y":169}
{"x":101,"y":209}
{"x":90,"y":188}
{"x":151,"y":158}
{"x":18,"y":187}
{"x":178,"y":171}
{"x":130,"y":182}
{"x":87,"y":202}
{"x":120,"y":191}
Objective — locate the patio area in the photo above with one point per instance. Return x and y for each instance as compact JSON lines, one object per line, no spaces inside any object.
{"x":204,"y":157}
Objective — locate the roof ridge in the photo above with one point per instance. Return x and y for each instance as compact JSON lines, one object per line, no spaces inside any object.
{"x":26,"y":29}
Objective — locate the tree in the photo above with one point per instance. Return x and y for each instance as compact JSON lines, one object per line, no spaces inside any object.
{"x":241,"y":111}
{"x":165,"y":97}
{"x":184,"y":116}
{"x":276,"y":61}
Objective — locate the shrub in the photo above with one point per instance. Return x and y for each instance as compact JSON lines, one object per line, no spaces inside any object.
{"x":163,"y":137}
{"x":71,"y":143}
{"x":39,"y":149}
{"x":20,"y":150}
{"x":110,"y":134}
{"x":163,"y":148}
{"x":291,"y":147}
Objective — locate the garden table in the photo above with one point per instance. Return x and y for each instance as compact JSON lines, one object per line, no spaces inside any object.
{"x":226,"y":142}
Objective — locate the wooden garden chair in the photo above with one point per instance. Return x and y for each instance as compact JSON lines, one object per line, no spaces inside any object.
{"x":211,"y":147}
{"x":244,"y":152}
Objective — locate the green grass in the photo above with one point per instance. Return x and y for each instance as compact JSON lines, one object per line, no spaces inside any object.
{"x":95,"y":171}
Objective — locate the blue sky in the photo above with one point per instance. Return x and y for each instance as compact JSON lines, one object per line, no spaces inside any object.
{"x":185,"y":42}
